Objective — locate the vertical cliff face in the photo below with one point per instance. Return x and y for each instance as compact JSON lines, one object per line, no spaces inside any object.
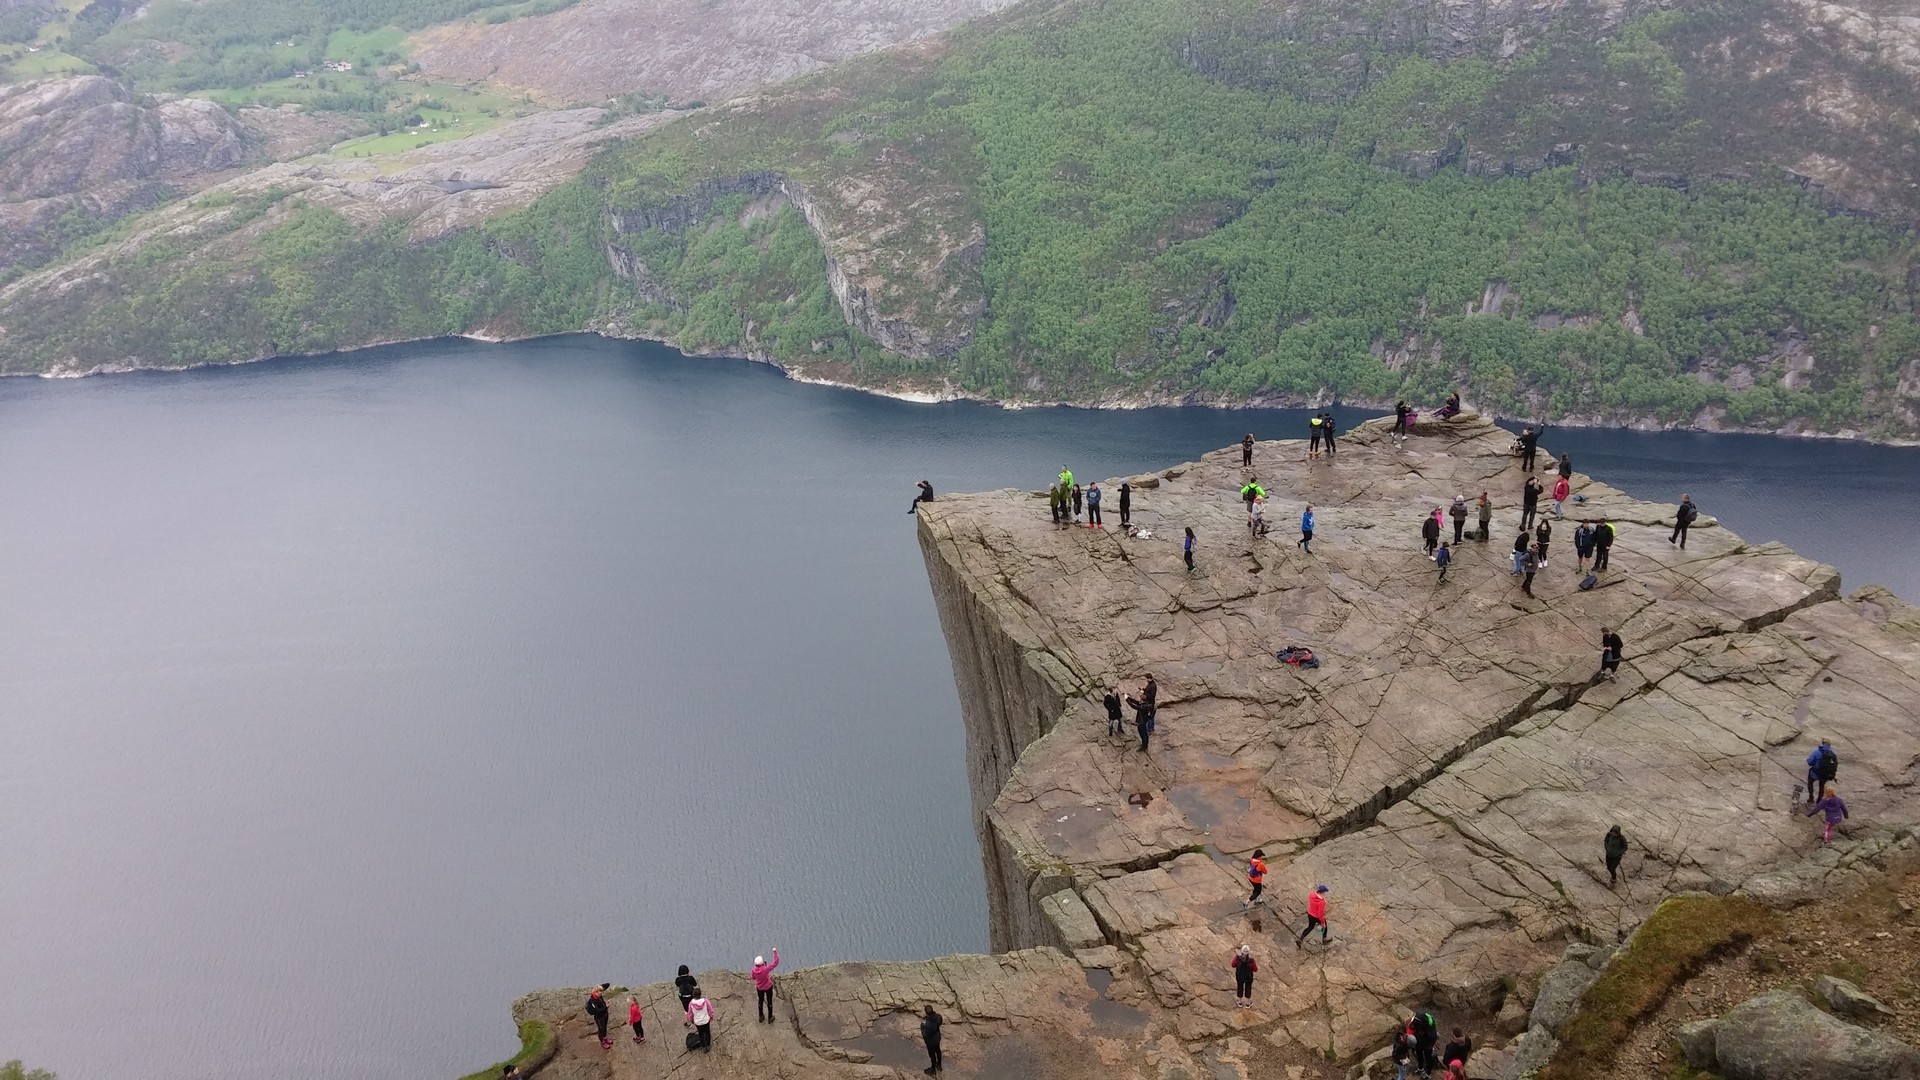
{"x":1012,"y":691}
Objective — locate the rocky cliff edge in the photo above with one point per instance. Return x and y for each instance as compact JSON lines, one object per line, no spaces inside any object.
{"x":1448,"y":772}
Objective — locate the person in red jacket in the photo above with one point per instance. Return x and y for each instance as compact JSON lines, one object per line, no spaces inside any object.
{"x":633,"y":1019}
{"x":1316,"y":915}
{"x":1257,"y":876}
{"x":1243,"y":965}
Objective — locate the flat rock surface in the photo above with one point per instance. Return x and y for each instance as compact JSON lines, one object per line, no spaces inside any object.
{"x":1451,"y":767}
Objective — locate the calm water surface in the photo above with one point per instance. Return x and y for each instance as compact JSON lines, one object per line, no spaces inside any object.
{"x":344,"y":700}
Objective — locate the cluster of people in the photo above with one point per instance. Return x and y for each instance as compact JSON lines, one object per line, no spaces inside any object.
{"x":1145,"y":705}
{"x":1067,"y":501}
{"x":1823,"y":765}
{"x":1413,"y":1049}
{"x":696,"y":1007}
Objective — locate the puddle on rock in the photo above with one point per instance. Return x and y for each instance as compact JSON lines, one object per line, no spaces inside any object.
{"x":1206,"y":808}
{"x":892,"y":1051}
{"x":1110,"y":1014}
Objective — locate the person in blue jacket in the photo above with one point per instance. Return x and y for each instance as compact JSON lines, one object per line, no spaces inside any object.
{"x":1306,"y":531}
{"x":1822,"y":766}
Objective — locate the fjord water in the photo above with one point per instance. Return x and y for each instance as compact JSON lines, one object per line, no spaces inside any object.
{"x":343,"y":700}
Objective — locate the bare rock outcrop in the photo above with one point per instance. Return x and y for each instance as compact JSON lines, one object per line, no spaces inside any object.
{"x":1451,"y":767}
{"x":682,"y":50}
{"x":90,"y":144}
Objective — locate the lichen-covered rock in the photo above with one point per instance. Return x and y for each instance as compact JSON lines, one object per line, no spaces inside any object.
{"x":1781,"y":1036}
{"x":1695,"y":1041}
{"x":1560,"y":992}
{"x":1847,"y":999}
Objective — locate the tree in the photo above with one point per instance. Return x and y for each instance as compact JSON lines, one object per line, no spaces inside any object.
{"x":13,"y":1070}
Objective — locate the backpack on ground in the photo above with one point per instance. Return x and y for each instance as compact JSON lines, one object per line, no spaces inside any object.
{"x":1588,"y":582}
{"x":693,"y":1040}
{"x":1298,"y":656}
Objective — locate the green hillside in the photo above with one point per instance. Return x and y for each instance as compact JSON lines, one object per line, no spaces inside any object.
{"x":1576,"y":218}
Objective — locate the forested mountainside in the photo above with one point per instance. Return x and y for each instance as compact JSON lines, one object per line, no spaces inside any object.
{"x":1694,"y":212}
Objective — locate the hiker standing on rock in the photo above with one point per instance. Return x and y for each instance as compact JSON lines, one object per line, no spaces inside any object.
{"x":1459,"y":514}
{"x":1603,"y":535}
{"x":1530,"y":501}
{"x":1316,"y":915}
{"x":1823,"y":765}
{"x":685,"y":986}
{"x":1066,"y":478}
{"x":700,"y":1015}
{"x":1144,"y":721}
{"x":1529,"y":443}
{"x":1830,"y":805}
{"x":1246,"y":451}
{"x":1426,"y":1034}
{"x":1683,"y":520}
{"x":1313,"y":437}
{"x":1562,"y":487}
{"x":1327,"y":426}
{"x":634,"y":1019}
{"x":1306,"y":531}
{"x":1616,"y":845}
{"x":1430,"y":533}
{"x":1257,"y":875}
{"x":1126,"y":504}
{"x":763,"y":987}
{"x":1077,"y":497}
{"x":1543,"y":535}
{"x":1257,"y":517}
{"x":926,"y":495}
{"x":1403,"y":1051}
{"x":597,"y":1008}
{"x":1187,"y":549}
{"x":1116,"y":720}
{"x":1053,"y":503}
{"x":1610,"y":649}
{"x":1583,"y":545}
{"x":1529,"y":565}
{"x":1401,"y":410}
{"x":1486,"y":517}
{"x":1566,"y":468}
{"x":1093,"y":506}
{"x":930,"y":1032}
{"x":1243,"y":965}
{"x":1443,"y":559}
{"x":1457,"y":1050}
{"x":1520,"y":544}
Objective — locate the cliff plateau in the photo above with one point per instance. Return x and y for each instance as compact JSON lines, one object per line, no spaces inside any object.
{"x":1448,"y":771}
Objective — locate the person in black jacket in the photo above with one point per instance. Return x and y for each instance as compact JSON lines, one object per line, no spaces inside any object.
{"x":1456,"y":1050}
{"x":1543,"y":535}
{"x":1246,"y":450}
{"x":926,"y":495}
{"x":930,"y":1032}
{"x":1430,"y":533}
{"x":1610,"y":649}
{"x":1425,"y":1035}
{"x":597,"y":1008}
{"x":1603,"y":534}
{"x":1327,"y":426}
{"x":1529,"y":445}
{"x":1530,"y":501}
{"x":686,"y":986}
{"x":1616,"y":850}
{"x":1682,"y":518}
{"x":1566,"y":466}
{"x":1400,"y":411}
{"x":1116,"y":720}
{"x":1126,"y":503}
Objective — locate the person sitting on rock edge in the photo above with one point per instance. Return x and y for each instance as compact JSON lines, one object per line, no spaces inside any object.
{"x":926,"y":495}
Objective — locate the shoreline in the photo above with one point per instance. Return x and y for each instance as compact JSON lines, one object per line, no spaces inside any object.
{"x":1118,"y":401}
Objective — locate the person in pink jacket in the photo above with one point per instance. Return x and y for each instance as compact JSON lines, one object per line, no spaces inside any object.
{"x":763,"y":986}
{"x":1560,"y":489}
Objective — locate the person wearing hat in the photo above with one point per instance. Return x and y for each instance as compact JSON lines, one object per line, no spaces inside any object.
{"x":763,"y":986}
{"x":1316,"y":915}
{"x":1243,"y":965}
{"x":597,"y":1008}
{"x":1458,"y":511}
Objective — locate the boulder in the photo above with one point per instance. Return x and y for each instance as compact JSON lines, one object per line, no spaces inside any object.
{"x":1512,"y":1019}
{"x":1847,"y":999}
{"x":1071,"y":920}
{"x":1696,"y":1043}
{"x":1559,"y":996}
{"x":1531,"y":1051}
{"x":1781,"y":1036}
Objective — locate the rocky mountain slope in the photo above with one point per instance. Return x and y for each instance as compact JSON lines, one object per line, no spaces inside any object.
{"x":1687,"y":213}
{"x":89,"y":147}
{"x":678,"y":50}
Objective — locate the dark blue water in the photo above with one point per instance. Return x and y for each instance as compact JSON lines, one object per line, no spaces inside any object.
{"x":343,"y":700}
